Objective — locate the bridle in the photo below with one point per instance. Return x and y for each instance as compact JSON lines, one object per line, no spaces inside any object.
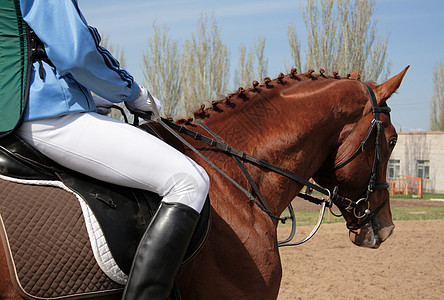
{"x":333,"y":197}
{"x":376,"y":125}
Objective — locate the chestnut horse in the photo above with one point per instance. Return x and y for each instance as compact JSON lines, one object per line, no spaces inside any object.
{"x":312,"y":125}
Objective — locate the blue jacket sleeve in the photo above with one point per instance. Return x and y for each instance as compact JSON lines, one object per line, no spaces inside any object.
{"x":73,"y":47}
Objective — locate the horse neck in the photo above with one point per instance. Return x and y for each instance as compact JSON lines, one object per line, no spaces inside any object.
{"x":289,"y":126}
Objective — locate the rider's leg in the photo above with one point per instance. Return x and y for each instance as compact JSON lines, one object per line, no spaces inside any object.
{"x":118,"y":153}
{"x":115,"y":152}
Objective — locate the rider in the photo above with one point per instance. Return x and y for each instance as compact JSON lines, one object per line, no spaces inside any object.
{"x":61,"y":121}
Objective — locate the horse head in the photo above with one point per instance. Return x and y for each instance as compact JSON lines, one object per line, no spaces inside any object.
{"x":356,"y":169}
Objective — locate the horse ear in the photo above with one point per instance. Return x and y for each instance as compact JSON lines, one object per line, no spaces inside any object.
{"x":386,"y":89}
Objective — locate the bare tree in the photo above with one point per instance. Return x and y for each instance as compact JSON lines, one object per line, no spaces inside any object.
{"x":321,"y":33}
{"x":244,"y":74}
{"x":245,"y":71}
{"x":204,"y":65}
{"x":295,"y":46}
{"x":437,"y":113}
{"x":341,"y":36}
{"x":262,"y":62}
{"x":161,"y":68}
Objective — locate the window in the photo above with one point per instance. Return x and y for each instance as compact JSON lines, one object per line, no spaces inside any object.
{"x":423,"y":169}
{"x":393,"y":168}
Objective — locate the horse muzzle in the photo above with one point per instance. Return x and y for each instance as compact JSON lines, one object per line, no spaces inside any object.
{"x":373,"y":234}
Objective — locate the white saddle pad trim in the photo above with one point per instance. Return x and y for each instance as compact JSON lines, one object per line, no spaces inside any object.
{"x":99,"y":246}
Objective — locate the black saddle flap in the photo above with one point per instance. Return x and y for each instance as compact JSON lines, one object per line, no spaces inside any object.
{"x":122,"y":213}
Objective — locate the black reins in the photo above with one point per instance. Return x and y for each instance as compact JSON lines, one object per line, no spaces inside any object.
{"x":333,"y":197}
{"x":225,"y":148}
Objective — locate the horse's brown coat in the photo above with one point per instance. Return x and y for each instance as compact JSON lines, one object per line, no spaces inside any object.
{"x":297,"y":124}
{"x":304,"y":123}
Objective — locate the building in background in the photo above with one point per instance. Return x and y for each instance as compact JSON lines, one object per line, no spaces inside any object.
{"x":419,"y":154}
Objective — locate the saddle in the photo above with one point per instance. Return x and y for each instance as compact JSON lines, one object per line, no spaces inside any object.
{"x":66,"y":234}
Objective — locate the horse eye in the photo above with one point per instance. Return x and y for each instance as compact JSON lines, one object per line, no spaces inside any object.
{"x":392,"y":143}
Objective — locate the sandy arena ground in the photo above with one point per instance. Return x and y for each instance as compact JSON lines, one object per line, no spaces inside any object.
{"x":409,"y":265}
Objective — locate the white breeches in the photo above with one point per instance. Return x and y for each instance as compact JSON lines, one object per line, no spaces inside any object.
{"x":119,"y":153}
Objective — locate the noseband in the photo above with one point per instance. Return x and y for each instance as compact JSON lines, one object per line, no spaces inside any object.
{"x":351,"y":205}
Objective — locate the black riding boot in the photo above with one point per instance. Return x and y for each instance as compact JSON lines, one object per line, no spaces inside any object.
{"x":160,"y":252}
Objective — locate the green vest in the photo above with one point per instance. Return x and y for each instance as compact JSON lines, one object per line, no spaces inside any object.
{"x":15,"y":65}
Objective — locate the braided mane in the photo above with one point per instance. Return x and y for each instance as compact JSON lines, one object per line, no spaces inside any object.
{"x":243,"y":95}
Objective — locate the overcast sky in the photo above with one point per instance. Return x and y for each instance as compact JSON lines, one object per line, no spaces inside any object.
{"x":415,"y":28}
